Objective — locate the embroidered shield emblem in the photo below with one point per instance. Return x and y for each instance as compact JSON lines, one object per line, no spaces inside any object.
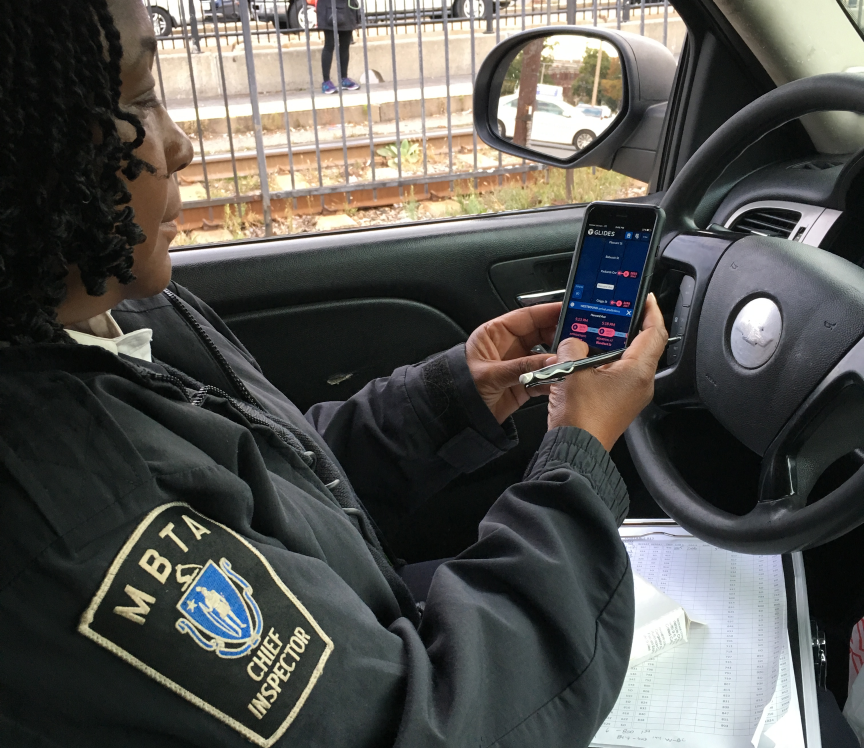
{"x":215,"y":614}
{"x":185,"y":601}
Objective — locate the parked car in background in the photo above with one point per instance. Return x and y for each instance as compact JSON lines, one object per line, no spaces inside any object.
{"x":302,"y":14}
{"x":555,"y":121}
{"x":599,"y":111}
{"x":290,"y":14}
{"x":226,"y":10}
{"x":166,"y":15}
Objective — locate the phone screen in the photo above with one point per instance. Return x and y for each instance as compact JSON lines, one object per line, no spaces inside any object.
{"x":605,"y":288}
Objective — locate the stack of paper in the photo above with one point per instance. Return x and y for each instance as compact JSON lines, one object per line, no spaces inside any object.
{"x":731,"y":685}
{"x":661,"y":623}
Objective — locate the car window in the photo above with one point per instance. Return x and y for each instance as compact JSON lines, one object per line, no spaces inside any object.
{"x":801,"y":38}
{"x":392,"y":142}
{"x":549,"y":108}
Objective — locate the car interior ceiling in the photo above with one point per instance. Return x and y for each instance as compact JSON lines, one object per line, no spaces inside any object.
{"x":324,"y":314}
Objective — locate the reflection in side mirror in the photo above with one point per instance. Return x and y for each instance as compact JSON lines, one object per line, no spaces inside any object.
{"x":560,"y":93}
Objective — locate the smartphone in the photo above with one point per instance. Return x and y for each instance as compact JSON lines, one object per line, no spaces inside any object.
{"x":610,"y":278}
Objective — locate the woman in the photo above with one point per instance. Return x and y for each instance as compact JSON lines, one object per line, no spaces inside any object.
{"x":337,"y":18}
{"x":185,"y":559}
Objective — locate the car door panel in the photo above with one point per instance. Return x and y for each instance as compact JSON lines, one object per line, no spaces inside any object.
{"x":329,"y":351}
{"x":547,"y":123}
{"x":542,"y":274}
{"x":315,"y":309}
{"x":443,"y":264}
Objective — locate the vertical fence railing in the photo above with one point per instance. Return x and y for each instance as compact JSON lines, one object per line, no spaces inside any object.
{"x":308,"y":37}
{"x":286,"y":117}
{"x":368,"y":86}
{"x":229,"y":131}
{"x":395,"y":78}
{"x":256,"y":120}
{"x":408,"y":101}
{"x":201,"y":28}
{"x":198,"y":126}
{"x":424,"y":144}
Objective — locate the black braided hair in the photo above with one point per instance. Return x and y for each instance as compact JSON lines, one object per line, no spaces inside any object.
{"x":62,"y":200}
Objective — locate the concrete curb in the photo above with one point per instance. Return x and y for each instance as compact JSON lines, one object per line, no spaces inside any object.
{"x":412,"y":101}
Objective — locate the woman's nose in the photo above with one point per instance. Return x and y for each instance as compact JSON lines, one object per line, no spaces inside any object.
{"x":178,"y":148}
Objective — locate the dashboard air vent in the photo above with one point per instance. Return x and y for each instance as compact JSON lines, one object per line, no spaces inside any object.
{"x":768,"y":222}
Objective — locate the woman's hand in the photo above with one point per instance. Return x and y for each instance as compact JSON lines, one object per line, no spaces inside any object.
{"x":604,"y":401}
{"x":500,"y":350}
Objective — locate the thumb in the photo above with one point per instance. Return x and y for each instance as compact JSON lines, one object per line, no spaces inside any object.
{"x":572,"y":349}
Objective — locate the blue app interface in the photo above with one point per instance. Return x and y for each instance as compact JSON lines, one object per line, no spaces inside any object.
{"x":606,"y":283}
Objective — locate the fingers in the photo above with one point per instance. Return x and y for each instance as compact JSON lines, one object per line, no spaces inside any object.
{"x":653,"y":317}
{"x":530,"y":318}
{"x":517,"y":332}
{"x":650,"y":343}
{"x":572,"y":349}
{"x":541,"y":315}
{"x":505,"y":374}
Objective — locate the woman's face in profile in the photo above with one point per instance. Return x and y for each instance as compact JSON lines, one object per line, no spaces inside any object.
{"x":155,"y":197}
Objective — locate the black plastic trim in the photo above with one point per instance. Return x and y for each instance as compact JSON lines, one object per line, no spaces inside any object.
{"x":642,"y":88}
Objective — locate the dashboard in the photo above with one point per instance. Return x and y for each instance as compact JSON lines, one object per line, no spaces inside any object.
{"x":813,"y":201}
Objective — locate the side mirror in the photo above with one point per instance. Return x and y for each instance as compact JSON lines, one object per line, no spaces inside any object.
{"x":618,"y":83}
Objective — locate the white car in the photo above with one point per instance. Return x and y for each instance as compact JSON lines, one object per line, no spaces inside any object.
{"x":600,"y":111}
{"x":555,"y":121}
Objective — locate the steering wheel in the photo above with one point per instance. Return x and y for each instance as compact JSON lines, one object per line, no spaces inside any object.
{"x":772,"y":348}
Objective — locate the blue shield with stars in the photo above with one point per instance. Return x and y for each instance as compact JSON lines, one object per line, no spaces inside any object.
{"x":216,"y":613}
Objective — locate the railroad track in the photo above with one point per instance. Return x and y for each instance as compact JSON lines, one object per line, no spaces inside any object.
{"x":305,"y":199}
{"x":332,"y":153}
{"x":337,"y":197}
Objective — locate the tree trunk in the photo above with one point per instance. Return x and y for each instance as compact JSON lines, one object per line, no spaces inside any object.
{"x":528,"y":80}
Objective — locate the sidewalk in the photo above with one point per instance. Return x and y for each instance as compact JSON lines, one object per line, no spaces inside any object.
{"x":462,"y":56}
{"x":355,"y":106}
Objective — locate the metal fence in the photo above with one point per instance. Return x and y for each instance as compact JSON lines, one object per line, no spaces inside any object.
{"x":202,"y":22}
{"x":405,"y":134}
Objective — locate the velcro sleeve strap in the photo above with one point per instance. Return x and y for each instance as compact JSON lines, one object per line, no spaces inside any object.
{"x":472,"y":434}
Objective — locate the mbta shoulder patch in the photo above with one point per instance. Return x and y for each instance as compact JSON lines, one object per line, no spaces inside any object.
{"x":196,"y":607}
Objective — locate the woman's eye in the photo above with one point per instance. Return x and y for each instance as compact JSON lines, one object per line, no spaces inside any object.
{"x":149,"y":101}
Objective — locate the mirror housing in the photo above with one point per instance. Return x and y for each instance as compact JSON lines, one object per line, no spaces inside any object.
{"x":629,"y":144}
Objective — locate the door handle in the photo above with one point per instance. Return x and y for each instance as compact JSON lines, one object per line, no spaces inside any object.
{"x":540,"y":297}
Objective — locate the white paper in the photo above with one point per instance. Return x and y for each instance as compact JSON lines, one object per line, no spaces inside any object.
{"x":661,"y":623}
{"x":712,"y":691}
{"x":781,"y":724}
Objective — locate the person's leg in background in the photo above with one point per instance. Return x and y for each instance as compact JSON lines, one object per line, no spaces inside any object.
{"x":327,"y":60}
{"x":344,"y":52}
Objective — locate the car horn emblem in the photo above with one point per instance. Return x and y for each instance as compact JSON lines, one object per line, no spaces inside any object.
{"x":219,"y":612}
{"x":756,"y":333}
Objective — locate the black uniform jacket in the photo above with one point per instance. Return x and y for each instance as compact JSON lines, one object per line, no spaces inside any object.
{"x":183,"y":562}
